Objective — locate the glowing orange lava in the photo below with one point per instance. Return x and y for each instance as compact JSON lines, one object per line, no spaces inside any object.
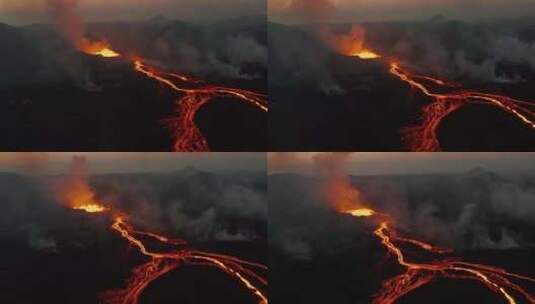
{"x":107,"y":53}
{"x":187,"y":137}
{"x":98,"y":48}
{"x":161,"y":263}
{"x":361,"y":212}
{"x":91,"y":208}
{"x":416,"y":275}
{"x":424,"y":137}
{"x":196,"y":94}
{"x":365,"y":54}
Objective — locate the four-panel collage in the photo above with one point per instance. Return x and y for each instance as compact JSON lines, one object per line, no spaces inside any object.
{"x":248,"y":151}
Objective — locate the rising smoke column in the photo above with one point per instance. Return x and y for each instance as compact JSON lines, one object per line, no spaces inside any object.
{"x":74,"y":190}
{"x":318,"y":13}
{"x":71,"y":26}
{"x":337,"y":190}
{"x":68,"y":22}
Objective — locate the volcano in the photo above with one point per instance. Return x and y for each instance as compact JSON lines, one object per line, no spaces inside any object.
{"x":400,"y":86}
{"x":98,"y":90}
{"x":431,"y":238}
{"x":105,"y":251}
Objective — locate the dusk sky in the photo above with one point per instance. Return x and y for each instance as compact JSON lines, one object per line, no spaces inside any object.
{"x":36,"y":11}
{"x":377,"y":163}
{"x":109,"y":162}
{"x":384,"y":10}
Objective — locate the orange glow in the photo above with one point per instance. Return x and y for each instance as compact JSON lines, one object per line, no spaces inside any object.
{"x":423,"y":137}
{"x":365,"y":54}
{"x":76,"y":191}
{"x":161,"y":263}
{"x":79,"y":195}
{"x":352,"y":44}
{"x":360,"y":212}
{"x":98,"y":48}
{"x":188,"y":138}
{"x":91,"y":208}
{"x":345,"y":198}
{"x":417,"y":274}
{"x":106,"y":53}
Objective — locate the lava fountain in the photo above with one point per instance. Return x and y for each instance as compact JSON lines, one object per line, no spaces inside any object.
{"x":91,"y":208}
{"x":352,"y":44}
{"x":365,"y":54}
{"x":360,"y":212}
{"x":97,"y":48}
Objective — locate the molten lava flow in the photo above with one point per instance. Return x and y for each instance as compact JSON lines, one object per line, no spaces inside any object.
{"x":187,"y":137}
{"x":352,"y":43}
{"x":196,"y":94}
{"x":424,"y":137}
{"x":161,"y":263}
{"x":416,"y":275}
{"x":496,"y":279}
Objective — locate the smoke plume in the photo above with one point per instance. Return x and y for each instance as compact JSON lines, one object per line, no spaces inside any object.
{"x":74,"y":190}
{"x":68,"y":22}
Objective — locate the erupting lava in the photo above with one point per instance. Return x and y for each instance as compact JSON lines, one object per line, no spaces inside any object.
{"x":106,"y":53}
{"x":365,"y":54}
{"x":187,"y":137}
{"x":91,"y":208}
{"x":424,"y":137}
{"x":360,"y":212}
{"x":196,"y":94}
{"x":161,"y":263}
{"x":99,"y":48}
{"x":164,"y":262}
{"x":418,"y":274}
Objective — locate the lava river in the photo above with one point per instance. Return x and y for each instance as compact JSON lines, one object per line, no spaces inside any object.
{"x":509,"y":286}
{"x":194,"y":95}
{"x":447,"y":97}
{"x":179,"y":255}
